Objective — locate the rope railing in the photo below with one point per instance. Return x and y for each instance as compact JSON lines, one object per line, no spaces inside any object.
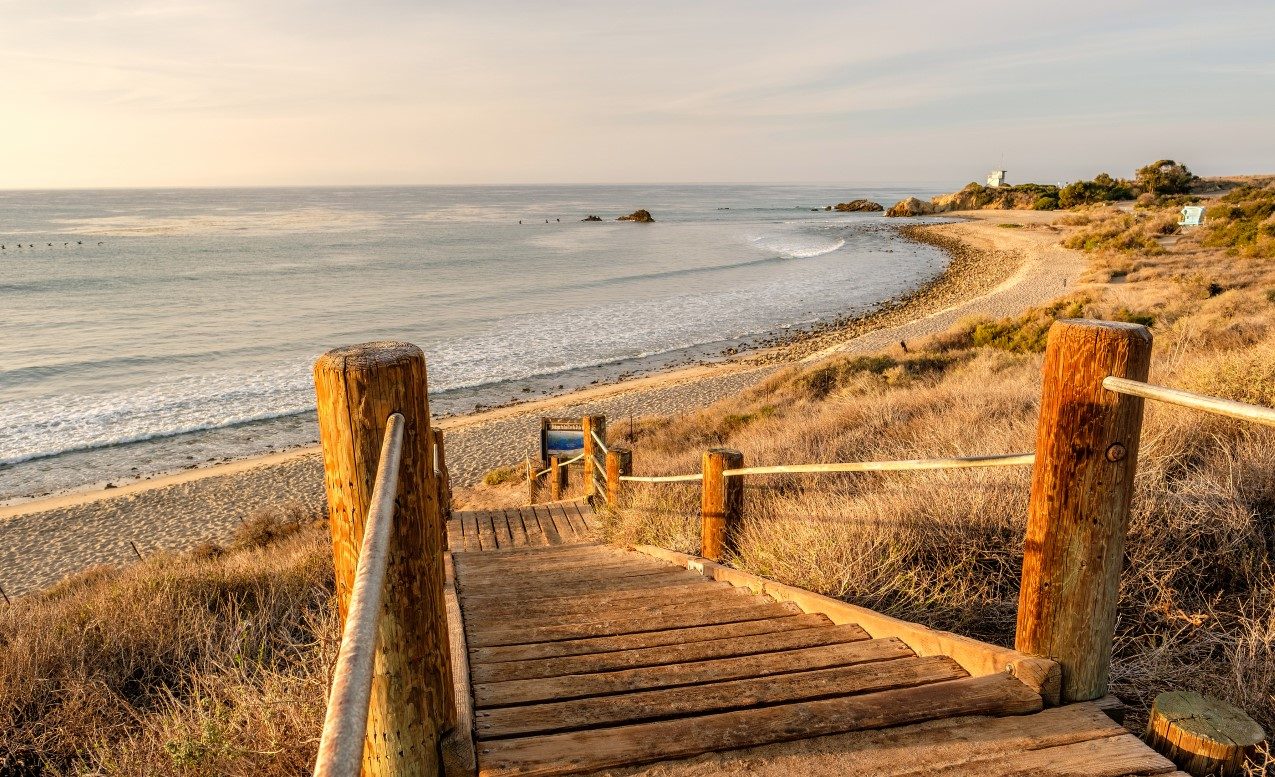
{"x":345,"y":724}
{"x":572,"y":460}
{"x":965,"y":462}
{"x":598,"y":441}
{"x":662,"y":478}
{"x":1224,"y":407}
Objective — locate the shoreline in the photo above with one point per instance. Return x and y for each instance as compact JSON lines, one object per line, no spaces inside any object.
{"x":43,"y":540}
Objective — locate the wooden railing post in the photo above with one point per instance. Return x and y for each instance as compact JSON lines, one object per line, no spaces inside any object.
{"x":619,"y":462}
{"x":556,"y":471}
{"x":721,"y":503}
{"x":444,"y":479}
{"x":532,"y":468}
{"x":591,"y":425}
{"x":1082,"y":483}
{"x":412,"y":702}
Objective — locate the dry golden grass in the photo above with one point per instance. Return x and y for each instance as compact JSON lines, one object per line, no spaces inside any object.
{"x":209,"y":663}
{"x":1197,"y":607}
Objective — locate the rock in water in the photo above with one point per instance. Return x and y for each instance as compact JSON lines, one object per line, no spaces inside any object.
{"x":911,"y":207}
{"x":641,"y":216}
{"x":857,"y":206}
{"x":591,"y":218}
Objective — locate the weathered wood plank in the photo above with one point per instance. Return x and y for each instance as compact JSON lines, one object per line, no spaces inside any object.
{"x":488,"y":582}
{"x":517,"y":529}
{"x":504,"y":531}
{"x":602,"y":628}
{"x":542,"y":552}
{"x":573,"y":588}
{"x":643,"y":611}
{"x":761,"y":665}
{"x":646,"y":639}
{"x":623,"y":709}
{"x":702,"y":650}
{"x":486,"y":534}
{"x":470,"y":522}
{"x":693,"y":595}
{"x":547,"y":525}
{"x":582,"y":751}
{"x":1116,"y":756}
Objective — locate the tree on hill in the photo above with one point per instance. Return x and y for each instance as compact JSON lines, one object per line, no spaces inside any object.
{"x":1164,"y":177}
{"x":1103,"y":188}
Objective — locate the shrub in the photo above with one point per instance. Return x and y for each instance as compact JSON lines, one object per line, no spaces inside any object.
{"x":1243,"y":222}
{"x":1045,"y":203}
{"x":1116,"y":232}
{"x":1103,"y":188}
{"x":1164,"y":177}
{"x":501,"y":475}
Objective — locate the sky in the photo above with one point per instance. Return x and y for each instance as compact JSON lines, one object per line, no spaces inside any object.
{"x":292,"y":92}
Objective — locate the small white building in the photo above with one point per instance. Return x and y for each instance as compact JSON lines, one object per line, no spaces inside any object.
{"x":996,"y":178}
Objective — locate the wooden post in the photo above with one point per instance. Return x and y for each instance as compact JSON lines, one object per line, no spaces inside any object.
{"x":556,"y":471}
{"x":1082,"y":482}
{"x":531,"y":481}
{"x":619,"y":462}
{"x":1203,"y":736}
{"x":720,"y":504}
{"x":413,"y":702}
{"x":591,"y":425}
{"x":444,"y":479}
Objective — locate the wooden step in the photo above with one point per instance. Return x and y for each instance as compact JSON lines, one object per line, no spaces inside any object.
{"x":619,"y":615}
{"x":582,"y":751}
{"x":516,"y":592}
{"x":646,"y":639}
{"x":559,"y":606}
{"x":683,"y":619}
{"x":498,"y":579}
{"x":668,"y":654}
{"x":760,"y":665}
{"x":670,"y":703}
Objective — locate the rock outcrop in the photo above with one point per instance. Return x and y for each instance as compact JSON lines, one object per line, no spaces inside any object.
{"x":858,"y":206}
{"x":975,"y":196}
{"x":591,"y":218}
{"x":640,"y":216}
{"x":911,"y":207}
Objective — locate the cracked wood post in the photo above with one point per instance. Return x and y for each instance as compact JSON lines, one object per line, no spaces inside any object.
{"x":1203,"y":736}
{"x":721,"y":503}
{"x":532,"y":468}
{"x":590,"y":425}
{"x":557,"y":478}
{"x":412,"y":703}
{"x":619,"y":462}
{"x":1082,"y":483}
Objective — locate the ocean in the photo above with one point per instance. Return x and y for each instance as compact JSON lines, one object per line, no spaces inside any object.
{"x":143,"y":331}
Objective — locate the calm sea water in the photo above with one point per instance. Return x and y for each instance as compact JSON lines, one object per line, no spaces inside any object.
{"x":145,"y":330}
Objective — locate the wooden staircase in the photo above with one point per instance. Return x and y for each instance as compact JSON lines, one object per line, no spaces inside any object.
{"x":584,"y":656}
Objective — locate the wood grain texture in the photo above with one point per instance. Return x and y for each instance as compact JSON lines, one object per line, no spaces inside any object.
{"x":1082,"y":483}
{"x":645,"y":639}
{"x":1203,"y":736}
{"x":592,"y":425}
{"x":583,"y":751}
{"x":641,"y":706}
{"x":721,"y":501}
{"x":412,"y":704}
{"x":694,"y":673}
{"x":619,"y":464}
{"x":662,"y":655}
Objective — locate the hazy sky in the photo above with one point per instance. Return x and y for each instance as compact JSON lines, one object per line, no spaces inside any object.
{"x":154,"y":93}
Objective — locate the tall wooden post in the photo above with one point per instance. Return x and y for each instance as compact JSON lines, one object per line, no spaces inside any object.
{"x":619,"y":462}
{"x":1082,"y":482}
{"x":721,"y":503}
{"x":532,"y":468}
{"x":593,"y":465}
{"x":412,"y":703}
{"x":556,"y":471}
{"x":444,"y":479}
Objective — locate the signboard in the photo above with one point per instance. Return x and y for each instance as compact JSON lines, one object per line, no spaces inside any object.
{"x":561,"y":437}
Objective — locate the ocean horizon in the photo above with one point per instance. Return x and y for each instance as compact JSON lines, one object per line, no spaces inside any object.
{"x":150,"y":330}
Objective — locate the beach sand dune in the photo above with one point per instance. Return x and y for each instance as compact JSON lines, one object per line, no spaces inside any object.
{"x":42,"y":542}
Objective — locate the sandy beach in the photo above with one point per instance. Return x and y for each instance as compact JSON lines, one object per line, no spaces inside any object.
{"x":995,"y":272}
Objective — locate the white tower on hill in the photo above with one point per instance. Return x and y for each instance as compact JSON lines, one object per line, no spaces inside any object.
{"x":996,"y":178}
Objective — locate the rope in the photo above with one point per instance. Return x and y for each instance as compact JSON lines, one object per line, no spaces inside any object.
{"x":1002,"y":460}
{"x":598,"y":441}
{"x":1226,"y":407}
{"x":662,"y":478}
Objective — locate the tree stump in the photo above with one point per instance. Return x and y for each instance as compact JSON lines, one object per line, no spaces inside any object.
{"x":1203,"y":736}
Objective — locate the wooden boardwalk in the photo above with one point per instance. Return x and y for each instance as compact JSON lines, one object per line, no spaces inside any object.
{"x":584,"y":656}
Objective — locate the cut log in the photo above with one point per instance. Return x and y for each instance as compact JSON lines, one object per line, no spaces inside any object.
{"x":1202,"y":735}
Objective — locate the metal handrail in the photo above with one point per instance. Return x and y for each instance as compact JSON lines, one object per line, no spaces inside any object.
{"x":345,"y":724}
{"x":965,"y":462}
{"x":1225,"y":407}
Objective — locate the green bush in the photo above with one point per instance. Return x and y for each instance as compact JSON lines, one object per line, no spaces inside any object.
{"x":1046,"y":203}
{"x":1164,"y":177}
{"x":1103,"y":188}
{"x":1243,"y":222}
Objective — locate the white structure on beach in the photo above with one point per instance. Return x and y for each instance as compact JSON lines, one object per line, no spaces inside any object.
{"x":996,"y":178}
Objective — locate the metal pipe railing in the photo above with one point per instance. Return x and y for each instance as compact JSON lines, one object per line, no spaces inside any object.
{"x":1225,"y":407}
{"x":345,"y":724}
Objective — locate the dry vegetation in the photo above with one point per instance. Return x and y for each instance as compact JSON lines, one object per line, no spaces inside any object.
{"x":1197,"y":606}
{"x":217,"y":662}
{"x":214,"y":662}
